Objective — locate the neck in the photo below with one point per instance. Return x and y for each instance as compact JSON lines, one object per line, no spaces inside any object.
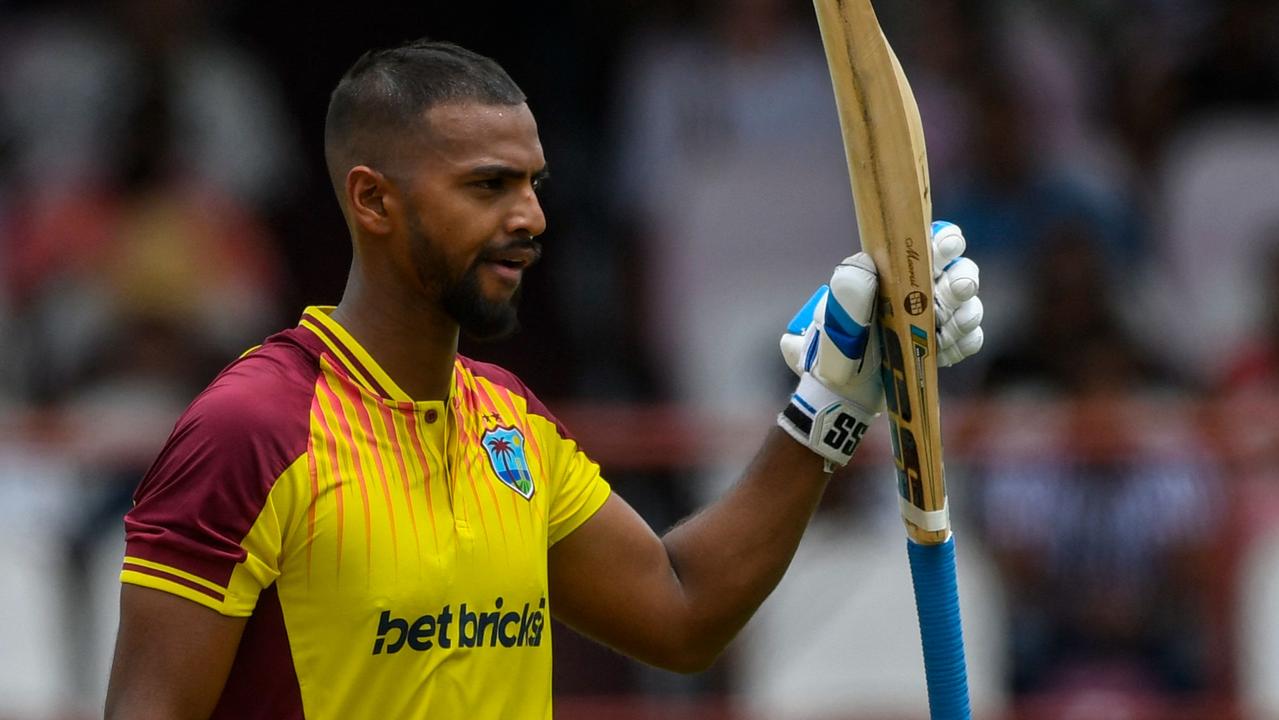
{"x":415,"y":344}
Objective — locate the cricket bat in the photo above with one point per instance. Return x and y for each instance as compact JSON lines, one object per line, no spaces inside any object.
{"x":888,"y":167}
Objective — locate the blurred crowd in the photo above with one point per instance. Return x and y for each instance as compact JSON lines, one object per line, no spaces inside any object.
{"x":1114,"y":452}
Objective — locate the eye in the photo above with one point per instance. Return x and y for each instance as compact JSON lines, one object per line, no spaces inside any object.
{"x":488,"y":184}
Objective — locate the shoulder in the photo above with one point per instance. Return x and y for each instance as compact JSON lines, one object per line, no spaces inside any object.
{"x":509,"y":381}
{"x":231,"y":445}
{"x":267,"y":384}
{"x":257,"y":410}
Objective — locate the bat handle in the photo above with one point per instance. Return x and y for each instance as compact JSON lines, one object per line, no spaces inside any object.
{"x":932,"y":568}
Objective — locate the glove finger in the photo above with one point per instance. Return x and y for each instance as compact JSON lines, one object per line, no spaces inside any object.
{"x":838,"y":369}
{"x":959,"y":282}
{"x":948,"y":243}
{"x":952,"y":353}
{"x":948,"y":356}
{"x":946,"y":340}
{"x":944,"y":312}
{"x":849,"y":307}
{"x":793,"y":352}
{"x":969,"y":344}
{"x":964,"y":319}
{"x":846,"y":320}
{"x":853,"y":287}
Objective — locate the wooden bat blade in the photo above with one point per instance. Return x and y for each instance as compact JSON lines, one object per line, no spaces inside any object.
{"x":888,"y":167}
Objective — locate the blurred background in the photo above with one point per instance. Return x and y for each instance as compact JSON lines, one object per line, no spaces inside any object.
{"x":1113,"y":453}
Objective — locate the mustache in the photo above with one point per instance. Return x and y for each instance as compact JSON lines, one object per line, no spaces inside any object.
{"x":528,"y":244}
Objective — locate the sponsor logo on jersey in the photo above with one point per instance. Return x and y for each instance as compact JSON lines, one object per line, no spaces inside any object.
{"x":469,"y":627}
{"x":505,"y":448}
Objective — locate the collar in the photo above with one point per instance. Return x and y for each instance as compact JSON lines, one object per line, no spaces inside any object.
{"x":349,"y":354}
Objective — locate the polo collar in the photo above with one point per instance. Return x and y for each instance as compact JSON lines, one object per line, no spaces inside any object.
{"x":349,"y":354}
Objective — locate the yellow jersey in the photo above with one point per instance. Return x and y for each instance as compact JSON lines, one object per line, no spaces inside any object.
{"x":390,"y":554}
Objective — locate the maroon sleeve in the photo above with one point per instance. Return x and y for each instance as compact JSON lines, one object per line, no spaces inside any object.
{"x":208,"y":485}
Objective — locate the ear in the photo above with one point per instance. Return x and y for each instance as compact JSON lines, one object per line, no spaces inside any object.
{"x":367,"y":192}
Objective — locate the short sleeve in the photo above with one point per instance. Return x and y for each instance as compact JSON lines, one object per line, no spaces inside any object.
{"x":579,"y":490}
{"x":208,"y":517}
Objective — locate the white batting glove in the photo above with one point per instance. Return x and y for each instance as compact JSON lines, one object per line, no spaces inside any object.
{"x":833,"y":345}
{"x":956,"y":280}
{"x":834,"y":348}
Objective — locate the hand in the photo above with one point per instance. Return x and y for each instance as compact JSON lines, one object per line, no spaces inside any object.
{"x":955,"y":285}
{"x":834,"y":348}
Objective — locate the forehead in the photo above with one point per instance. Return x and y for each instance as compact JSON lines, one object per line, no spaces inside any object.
{"x":464,"y":135}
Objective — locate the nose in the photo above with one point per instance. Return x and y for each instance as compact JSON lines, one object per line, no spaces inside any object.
{"x":526,"y":216}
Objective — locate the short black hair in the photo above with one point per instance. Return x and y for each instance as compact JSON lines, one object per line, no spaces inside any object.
{"x":380,"y":100}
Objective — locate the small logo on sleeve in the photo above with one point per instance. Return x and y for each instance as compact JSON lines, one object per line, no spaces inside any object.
{"x":505,"y":448}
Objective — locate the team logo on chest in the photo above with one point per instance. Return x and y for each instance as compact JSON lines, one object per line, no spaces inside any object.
{"x":505,"y":448}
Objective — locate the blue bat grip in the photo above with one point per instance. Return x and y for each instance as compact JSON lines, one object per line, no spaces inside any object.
{"x":932,"y":567}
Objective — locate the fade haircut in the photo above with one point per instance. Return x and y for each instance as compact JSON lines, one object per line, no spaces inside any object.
{"x":376,"y":111}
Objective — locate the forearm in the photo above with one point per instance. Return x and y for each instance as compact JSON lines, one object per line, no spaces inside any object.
{"x":730,"y":556}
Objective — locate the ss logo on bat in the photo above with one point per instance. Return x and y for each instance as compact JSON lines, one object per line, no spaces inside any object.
{"x":844,"y":434}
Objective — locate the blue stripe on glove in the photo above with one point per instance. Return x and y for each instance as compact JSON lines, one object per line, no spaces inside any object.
{"x":846,"y":333}
{"x":811,"y":356}
{"x":804,"y":317}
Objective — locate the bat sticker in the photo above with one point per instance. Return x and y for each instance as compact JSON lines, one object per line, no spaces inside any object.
{"x":916,"y":303}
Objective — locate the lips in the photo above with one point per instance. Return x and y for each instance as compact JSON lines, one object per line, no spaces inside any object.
{"x":510,"y":262}
{"x":518,"y":256}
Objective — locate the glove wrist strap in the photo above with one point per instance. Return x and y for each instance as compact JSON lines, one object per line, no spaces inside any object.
{"x":829,"y":425}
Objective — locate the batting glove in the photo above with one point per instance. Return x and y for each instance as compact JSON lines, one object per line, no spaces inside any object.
{"x":955,"y":284}
{"x":833,"y":346}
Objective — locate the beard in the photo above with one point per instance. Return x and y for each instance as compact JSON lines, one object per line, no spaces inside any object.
{"x":477,"y":316}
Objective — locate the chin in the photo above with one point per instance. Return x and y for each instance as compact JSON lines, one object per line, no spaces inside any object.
{"x":487,"y":320}
{"x":479,"y":314}
{"x":491,"y":332}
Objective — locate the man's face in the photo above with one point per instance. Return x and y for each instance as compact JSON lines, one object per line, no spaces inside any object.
{"x":472,"y":212}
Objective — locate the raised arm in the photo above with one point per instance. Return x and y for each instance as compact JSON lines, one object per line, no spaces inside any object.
{"x":172,"y":657}
{"x":676,"y":601}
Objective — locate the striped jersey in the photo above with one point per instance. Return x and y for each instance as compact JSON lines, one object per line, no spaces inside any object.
{"x":390,"y":554}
